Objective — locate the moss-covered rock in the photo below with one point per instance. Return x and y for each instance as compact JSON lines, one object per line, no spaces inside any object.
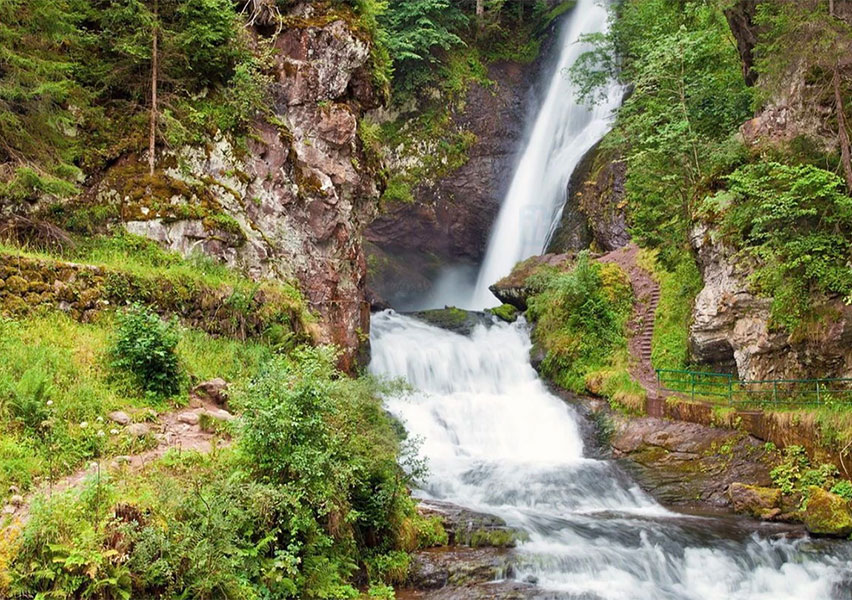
{"x":506,"y":312}
{"x":452,"y":319}
{"x":827,"y":513}
{"x":761,"y":502}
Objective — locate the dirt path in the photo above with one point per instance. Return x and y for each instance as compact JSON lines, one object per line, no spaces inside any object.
{"x":647,"y":296}
{"x":180,"y":429}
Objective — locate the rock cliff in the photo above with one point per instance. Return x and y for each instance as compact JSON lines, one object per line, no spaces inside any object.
{"x":732,"y":327}
{"x":291,"y":204}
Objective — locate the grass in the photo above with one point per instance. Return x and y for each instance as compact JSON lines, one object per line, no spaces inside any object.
{"x":140,"y":256}
{"x":51,"y":358}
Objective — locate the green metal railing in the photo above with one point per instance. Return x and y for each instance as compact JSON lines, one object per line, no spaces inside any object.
{"x":711,"y":386}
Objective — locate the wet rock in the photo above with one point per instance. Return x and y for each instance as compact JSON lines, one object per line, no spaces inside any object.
{"x":452,"y":319}
{"x":440,"y":567}
{"x":514,"y":289}
{"x":827,"y":513}
{"x":505,"y":312}
{"x":215,"y":390}
{"x":685,"y":464}
{"x":595,"y":209}
{"x":761,"y":502}
{"x":470,"y":528}
{"x":120,"y":417}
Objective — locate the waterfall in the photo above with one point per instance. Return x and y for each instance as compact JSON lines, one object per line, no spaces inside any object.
{"x":563,"y":132}
{"x":497,"y":441}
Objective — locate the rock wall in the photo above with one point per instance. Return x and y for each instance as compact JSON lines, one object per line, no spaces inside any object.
{"x":731,"y":326}
{"x":595,"y":211}
{"x":295,"y":202}
{"x":451,"y":217}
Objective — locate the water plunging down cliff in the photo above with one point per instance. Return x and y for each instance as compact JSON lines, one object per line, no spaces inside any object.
{"x":563,"y":133}
{"x":499,"y":442}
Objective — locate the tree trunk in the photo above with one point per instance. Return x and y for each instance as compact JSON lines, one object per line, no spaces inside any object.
{"x":480,"y":15}
{"x":831,"y":7}
{"x":842,"y":131}
{"x":152,"y":136}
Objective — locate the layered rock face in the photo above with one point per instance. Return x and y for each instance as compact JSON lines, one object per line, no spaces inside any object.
{"x":595,"y":209}
{"x":731,"y":325}
{"x":451,"y":217}
{"x":294,"y":203}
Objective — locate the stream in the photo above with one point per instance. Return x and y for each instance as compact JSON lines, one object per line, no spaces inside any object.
{"x":497,"y":441}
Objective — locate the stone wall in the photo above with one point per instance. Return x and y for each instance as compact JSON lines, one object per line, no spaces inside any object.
{"x":82,"y":291}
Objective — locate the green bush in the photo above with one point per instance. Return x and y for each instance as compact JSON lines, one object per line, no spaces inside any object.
{"x":795,"y":224}
{"x":843,"y":488}
{"x":580,"y":318}
{"x":145,"y":348}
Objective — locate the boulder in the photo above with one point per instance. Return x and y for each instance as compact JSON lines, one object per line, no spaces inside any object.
{"x":188,"y":418}
{"x":827,"y":513}
{"x":120,"y":417}
{"x":761,"y":502}
{"x":214,"y":390}
{"x":138,"y":430}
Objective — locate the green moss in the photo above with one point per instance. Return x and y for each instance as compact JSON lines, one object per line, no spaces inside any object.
{"x":506,"y":312}
{"x":826,"y":513}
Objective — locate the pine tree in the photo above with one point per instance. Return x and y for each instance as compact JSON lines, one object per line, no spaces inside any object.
{"x":37,"y":92}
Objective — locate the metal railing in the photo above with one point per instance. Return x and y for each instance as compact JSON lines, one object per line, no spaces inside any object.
{"x":711,"y":386}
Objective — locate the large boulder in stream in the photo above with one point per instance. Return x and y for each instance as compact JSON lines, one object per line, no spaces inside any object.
{"x":453,"y":319}
{"x":827,"y":513}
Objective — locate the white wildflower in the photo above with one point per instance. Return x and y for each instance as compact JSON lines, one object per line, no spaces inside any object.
{"x":83,"y":425}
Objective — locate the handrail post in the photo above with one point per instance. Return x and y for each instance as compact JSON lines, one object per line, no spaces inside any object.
{"x":730,"y":389}
{"x":775,"y":392}
{"x":692,"y":381}
{"x":819,"y":401}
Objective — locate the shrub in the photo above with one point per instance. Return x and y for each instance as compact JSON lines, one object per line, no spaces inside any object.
{"x":843,"y":488}
{"x":581,"y":317}
{"x":145,"y":348}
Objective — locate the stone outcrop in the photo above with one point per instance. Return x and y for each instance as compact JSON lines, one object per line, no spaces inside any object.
{"x":514,"y":289}
{"x":683,"y":464}
{"x":827,"y":513}
{"x":595,"y":211}
{"x":731,"y":325}
{"x":757,"y":501}
{"x":294,"y":203}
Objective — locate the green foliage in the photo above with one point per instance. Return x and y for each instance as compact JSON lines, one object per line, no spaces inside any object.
{"x":796,"y":474}
{"x":37,"y":88}
{"x":325,"y":496}
{"x":416,"y":31}
{"x":145,"y":347}
{"x":678,"y":289}
{"x":795,"y":223}
{"x":688,"y":99}
{"x":843,"y":488}
{"x":580,"y":318}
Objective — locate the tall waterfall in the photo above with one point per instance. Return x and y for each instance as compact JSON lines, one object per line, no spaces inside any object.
{"x":497,"y":441}
{"x":563,"y":132}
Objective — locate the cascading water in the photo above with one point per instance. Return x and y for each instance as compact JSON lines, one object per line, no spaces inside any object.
{"x":563,"y":132}
{"x":498,"y":442}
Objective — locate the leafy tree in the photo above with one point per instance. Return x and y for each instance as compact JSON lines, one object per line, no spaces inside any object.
{"x":688,"y":96}
{"x":807,"y":39}
{"x":796,"y":221}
